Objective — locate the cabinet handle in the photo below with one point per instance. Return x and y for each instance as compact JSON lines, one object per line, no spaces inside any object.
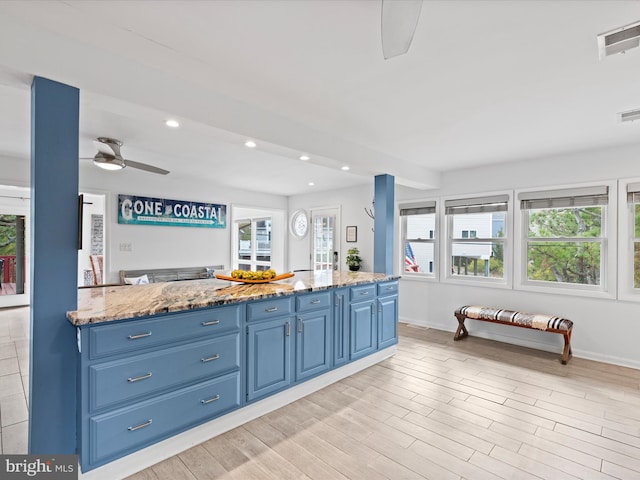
{"x":213,"y":322}
{"x":366,"y":292}
{"x":391,"y":288}
{"x":272,"y":309}
{"x":209,"y":359}
{"x":142,"y":425}
{"x":300,"y":325}
{"x":212,"y":399}
{"x":287,"y":329}
{"x":315,"y":302}
{"x":137,"y":379}
{"x":140,"y":335}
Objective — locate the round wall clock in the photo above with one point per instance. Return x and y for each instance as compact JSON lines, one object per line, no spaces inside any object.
{"x":299,"y":224}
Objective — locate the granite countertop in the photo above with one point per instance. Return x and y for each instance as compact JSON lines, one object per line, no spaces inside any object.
{"x":104,"y":304}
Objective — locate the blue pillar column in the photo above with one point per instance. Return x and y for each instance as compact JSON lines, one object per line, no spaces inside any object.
{"x":383,"y":224}
{"x":54,"y":266}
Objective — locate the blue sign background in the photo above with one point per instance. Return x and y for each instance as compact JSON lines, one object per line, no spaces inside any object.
{"x":136,"y":210}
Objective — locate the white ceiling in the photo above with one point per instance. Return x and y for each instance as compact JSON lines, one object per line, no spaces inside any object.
{"x":483,"y":82}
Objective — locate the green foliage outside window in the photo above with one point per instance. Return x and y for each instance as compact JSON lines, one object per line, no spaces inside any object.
{"x":7,"y":234}
{"x":565,"y":261}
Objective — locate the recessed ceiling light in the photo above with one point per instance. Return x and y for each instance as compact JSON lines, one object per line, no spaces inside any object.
{"x":172,"y":123}
{"x":311,"y":184}
{"x":250,"y":144}
{"x":345,"y":168}
{"x":305,"y":157}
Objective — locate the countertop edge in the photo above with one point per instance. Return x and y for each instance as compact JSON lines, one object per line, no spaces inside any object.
{"x":78,"y":320}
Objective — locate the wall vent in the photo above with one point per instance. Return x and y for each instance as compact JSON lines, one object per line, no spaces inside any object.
{"x":619,"y":40}
{"x":629,"y":116}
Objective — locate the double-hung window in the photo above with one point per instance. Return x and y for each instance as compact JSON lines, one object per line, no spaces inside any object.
{"x":418,"y":232}
{"x":477,"y":234}
{"x":633,"y":223}
{"x":564,"y":237}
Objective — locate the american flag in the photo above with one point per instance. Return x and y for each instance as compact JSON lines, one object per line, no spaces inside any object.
{"x":410,"y":264}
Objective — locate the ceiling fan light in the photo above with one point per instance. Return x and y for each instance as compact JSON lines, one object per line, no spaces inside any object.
{"x":108,"y":162}
{"x":108,"y":166}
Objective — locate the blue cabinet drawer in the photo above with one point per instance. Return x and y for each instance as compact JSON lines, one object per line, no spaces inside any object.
{"x":388,"y":288}
{"x":120,"y":380}
{"x":313,"y":301}
{"x":131,"y":428}
{"x":139,"y":334}
{"x":272,"y":308}
{"x":362,"y":293}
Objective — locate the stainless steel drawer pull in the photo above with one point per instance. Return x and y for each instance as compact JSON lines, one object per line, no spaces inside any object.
{"x":137,"y":379}
{"x":142,"y":425}
{"x":366,"y":292}
{"x":272,"y":309}
{"x":212,"y":399}
{"x":391,"y":288}
{"x":209,"y":359}
{"x":213,"y":322}
{"x":314,"y":302}
{"x":140,"y":335}
{"x":287,"y":330}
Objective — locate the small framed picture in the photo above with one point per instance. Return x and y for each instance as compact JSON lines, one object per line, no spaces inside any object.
{"x":352,"y":233}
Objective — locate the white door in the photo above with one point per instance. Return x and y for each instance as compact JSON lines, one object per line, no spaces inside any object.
{"x":325,"y":238}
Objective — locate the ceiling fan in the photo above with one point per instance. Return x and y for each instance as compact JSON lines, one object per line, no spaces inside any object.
{"x":399,"y":22}
{"x":110,"y":158}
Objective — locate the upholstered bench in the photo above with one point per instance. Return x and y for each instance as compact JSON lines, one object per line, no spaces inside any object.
{"x":547,"y":323}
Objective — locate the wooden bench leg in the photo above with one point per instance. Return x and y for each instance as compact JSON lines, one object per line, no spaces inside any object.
{"x":461,"y":332}
{"x":566,"y":353}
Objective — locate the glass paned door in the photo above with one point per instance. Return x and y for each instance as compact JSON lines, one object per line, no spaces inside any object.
{"x":324,"y":242}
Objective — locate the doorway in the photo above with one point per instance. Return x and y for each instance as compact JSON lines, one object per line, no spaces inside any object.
{"x":14,"y":242}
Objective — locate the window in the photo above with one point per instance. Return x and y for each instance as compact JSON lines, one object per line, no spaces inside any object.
{"x":633,"y":201}
{"x":418,"y":224}
{"x":477,"y":234}
{"x":564,"y":236}
{"x":253,"y":247}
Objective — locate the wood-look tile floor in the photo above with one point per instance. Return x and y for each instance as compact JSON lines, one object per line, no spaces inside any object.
{"x":14,"y":379}
{"x":474,"y":409}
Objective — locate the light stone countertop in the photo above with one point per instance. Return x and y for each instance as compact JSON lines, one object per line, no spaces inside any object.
{"x":104,"y":304}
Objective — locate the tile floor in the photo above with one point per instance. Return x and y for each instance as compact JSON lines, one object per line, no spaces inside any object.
{"x":14,"y":379}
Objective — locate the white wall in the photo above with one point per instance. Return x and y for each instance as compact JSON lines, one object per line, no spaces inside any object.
{"x":604,"y":329}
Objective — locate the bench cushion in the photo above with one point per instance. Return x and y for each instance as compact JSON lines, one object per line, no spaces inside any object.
{"x":532,"y":320}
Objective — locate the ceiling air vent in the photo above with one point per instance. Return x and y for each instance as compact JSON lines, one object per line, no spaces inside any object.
{"x":619,"y":40}
{"x":629,"y":116}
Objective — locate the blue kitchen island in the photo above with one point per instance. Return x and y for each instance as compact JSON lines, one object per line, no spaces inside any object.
{"x":165,"y":366}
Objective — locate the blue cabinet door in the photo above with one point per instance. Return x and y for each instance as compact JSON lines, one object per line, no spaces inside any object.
{"x":387,"y":321}
{"x":312,"y":343}
{"x":363,"y":331}
{"x":340,"y":327}
{"x":268,"y":357}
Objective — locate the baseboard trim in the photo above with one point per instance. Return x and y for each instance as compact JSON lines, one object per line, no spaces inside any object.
{"x":137,"y":461}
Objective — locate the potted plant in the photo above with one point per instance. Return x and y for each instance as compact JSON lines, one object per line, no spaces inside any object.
{"x":353,"y":259}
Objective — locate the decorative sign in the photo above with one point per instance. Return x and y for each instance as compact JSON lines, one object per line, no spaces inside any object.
{"x":176,"y":213}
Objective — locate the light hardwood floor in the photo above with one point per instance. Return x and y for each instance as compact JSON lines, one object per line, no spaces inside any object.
{"x":474,"y":409}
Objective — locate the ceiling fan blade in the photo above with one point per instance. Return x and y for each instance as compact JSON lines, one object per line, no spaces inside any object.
{"x":145,"y":167}
{"x":399,"y":22}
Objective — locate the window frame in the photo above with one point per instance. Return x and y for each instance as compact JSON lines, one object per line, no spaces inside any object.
{"x":432,"y":238}
{"x":626,"y":240}
{"x":475,"y":200}
{"x":607,"y":287}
